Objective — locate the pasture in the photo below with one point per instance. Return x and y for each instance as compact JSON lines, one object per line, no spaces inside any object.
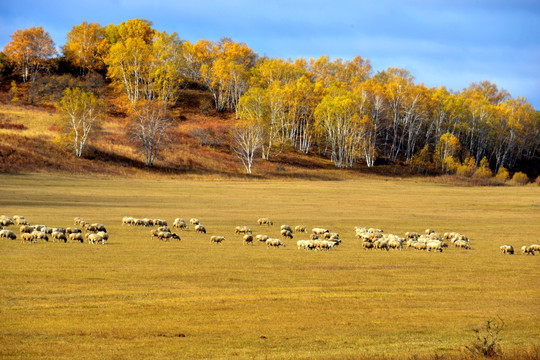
{"x":138,"y":297}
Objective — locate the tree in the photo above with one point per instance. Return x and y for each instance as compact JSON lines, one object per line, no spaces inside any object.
{"x":150,"y":122}
{"x":86,"y":46}
{"x":30,"y":49}
{"x":83,"y":111}
{"x":446,"y":149}
{"x":247,"y":137}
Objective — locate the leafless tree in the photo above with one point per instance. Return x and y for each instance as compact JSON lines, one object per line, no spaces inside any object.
{"x":150,"y":122}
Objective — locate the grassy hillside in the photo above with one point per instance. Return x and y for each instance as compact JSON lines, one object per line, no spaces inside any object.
{"x":141,"y":298}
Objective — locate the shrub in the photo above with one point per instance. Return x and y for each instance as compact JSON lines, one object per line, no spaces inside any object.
{"x":537,"y":181}
{"x":483,"y":171}
{"x":502,"y":174}
{"x":520,"y":178}
{"x":487,"y":341}
{"x":467,"y":168}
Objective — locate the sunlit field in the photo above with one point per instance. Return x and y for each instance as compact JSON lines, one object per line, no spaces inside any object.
{"x":138,"y":297}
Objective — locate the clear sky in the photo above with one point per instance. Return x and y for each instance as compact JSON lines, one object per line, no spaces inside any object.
{"x":451,"y":43}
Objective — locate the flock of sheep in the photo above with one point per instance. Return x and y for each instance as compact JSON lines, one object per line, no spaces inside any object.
{"x":94,"y":233}
{"x":319,"y":239}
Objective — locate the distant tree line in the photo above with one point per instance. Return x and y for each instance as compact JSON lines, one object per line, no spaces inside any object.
{"x":340,"y":109}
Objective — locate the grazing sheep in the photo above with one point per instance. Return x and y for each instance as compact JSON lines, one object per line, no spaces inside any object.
{"x":381,"y":244}
{"x":94,"y":238}
{"x":507,"y":249}
{"x":262,"y":238}
{"x":7,"y":234}
{"x":164,"y":228}
{"x":429,"y":231}
{"x":91,"y":227}
{"x":331,"y":236}
{"x":72,"y":230}
{"x":535,"y":247}
{"x":76,"y":237}
{"x":286,"y":233}
{"x":104,"y":235}
{"x":286,"y":227}
{"x":215,"y":239}
{"x":40,"y":235}
{"x":242,"y":230}
{"x":159,"y":222}
{"x":26,"y":229}
{"x":22,"y":221}
{"x":154,"y":233}
{"x":78,"y":221}
{"x":314,"y":237}
{"x":5,"y":221}
{"x":28,"y":237}
{"x":200,"y":228}
{"x":194,"y":221}
{"x":165,"y":236}
{"x":395,"y":243}
{"x":300,"y":228}
{"x":304,"y":244}
{"x":527,"y":250}
{"x":367,"y":245}
{"x":274,"y":243}
{"x":462,"y":244}
{"x":434,"y":245}
{"x":180,"y":223}
{"x":420,"y":246}
{"x":57,"y":235}
{"x":40,"y":227}
{"x":412,"y":235}
{"x":129,"y":220}
{"x":248,"y":238}
{"x":265,"y":221}
{"x":319,"y":231}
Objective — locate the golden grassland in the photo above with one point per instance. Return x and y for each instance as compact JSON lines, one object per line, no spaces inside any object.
{"x":141,"y":298}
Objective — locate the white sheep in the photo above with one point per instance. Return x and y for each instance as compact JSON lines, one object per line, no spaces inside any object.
{"x":319,"y":231}
{"x":262,"y":238}
{"x":527,"y":250}
{"x":180,"y":223}
{"x":57,"y":235}
{"x":300,"y":228}
{"x":200,"y":228}
{"x":76,"y":237}
{"x":194,"y":221}
{"x":248,"y":238}
{"x":434,"y":245}
{"x":274,"y":243}
{"x":535,"y":247}
{"x":286,"y":233}
{"x":265,"y":221}
{"x":507,"y":249}
{"x":215,"y":239}
{"x":462,"y":244}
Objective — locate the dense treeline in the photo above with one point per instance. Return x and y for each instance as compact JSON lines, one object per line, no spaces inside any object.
{"x":340,"y":109}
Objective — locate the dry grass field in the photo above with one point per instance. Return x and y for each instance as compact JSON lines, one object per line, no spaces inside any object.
{"x":139,"y":298}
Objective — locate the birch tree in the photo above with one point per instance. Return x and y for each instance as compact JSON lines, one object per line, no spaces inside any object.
{"x":83,"y":112}
{"x":247,"y":137}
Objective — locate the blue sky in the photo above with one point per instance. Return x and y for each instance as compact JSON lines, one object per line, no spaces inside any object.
{"x":450,"y":43}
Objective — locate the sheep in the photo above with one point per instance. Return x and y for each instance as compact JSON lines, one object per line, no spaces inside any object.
{"x":412,"y":235}
{"x":165,"y":236}
{"x":200,"y":228}
{"x":7,"y":234}
{"x":40,"y":227}
{"x":262,"y":238}
{"x":286,"y":227}
{"x":164,"y":228}
{"x":286,"y":233}
{"x":319,"y":231}
{"x":381,"y":244}
{"x":91,"y":227}
{"x":78,"y":221}
{"x":5,"y":221}
{"x":26,"y":229}
{"x":57,"y":235}
{"x":462,"y":244}
{"x":248,"y":238}
{"x":420,"y":246}
{"x":302,"y":244}
{"x":314,"y":237}
{"x":367,"y":245}
{"x":104,"y":235}
{"x":94,"y":238}
{"x":265,"y":221}
{"x":179,"y":223}
{"x":507,"y":249}
{"x":40,"y":235}
{"x":215,"y":239}
{"x":194,"y":221}
{"x":128,"y":220}
{"x":535,"y":247}
{"x":72,"y":230}
{"x":527,"y":250}
{"x":22,"y":221}
{"x":434,"y":245}
{"x":429,"y":231}
{"x":28,"y":237}
{"x":242,"y":230}
{"x":395,"y":243}
{"x":274,"y":242}
{"x":331,"y":236}
{"x":300,"y":228}
{"x":76,"y":237}
{"x":435,"y":236}
{"x":159,"y":222}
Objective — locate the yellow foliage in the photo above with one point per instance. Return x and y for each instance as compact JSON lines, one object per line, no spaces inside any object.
{"x":87,"y":46}
{"x":520,"y":178}
{"x":502,"y":174}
